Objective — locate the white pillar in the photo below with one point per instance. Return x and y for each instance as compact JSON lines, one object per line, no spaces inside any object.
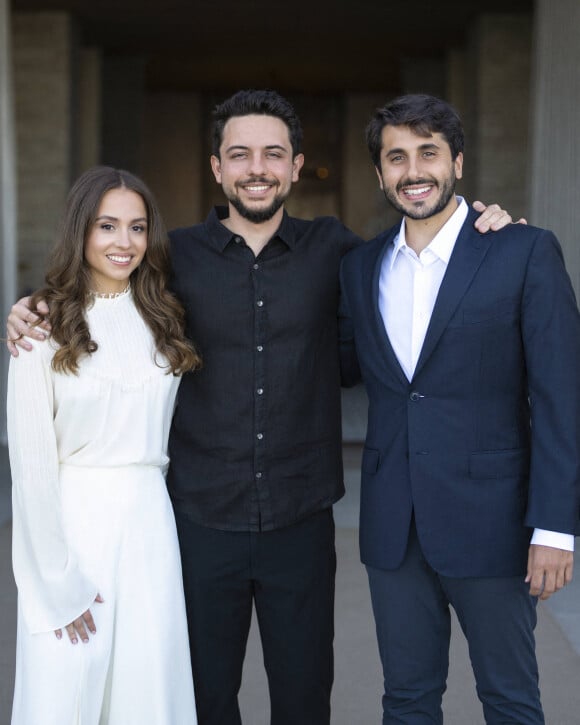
{"x":555,"y":190}
{"x":8,"y":200}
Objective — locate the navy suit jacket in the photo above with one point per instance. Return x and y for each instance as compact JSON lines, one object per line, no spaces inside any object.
{"x":483,"y":445}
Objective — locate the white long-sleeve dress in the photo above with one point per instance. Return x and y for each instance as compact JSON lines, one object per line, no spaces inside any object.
{"x":91,"y":515}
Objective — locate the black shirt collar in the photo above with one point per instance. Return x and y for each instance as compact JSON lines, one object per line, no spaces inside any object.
{"x":220,"y":236}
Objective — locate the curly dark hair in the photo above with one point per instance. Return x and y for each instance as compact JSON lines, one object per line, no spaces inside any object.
{"x":67,"y":281}
{"x":256,"y":102}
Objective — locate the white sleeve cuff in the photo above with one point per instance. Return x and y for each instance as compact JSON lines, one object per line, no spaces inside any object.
{"x":541,"y":537}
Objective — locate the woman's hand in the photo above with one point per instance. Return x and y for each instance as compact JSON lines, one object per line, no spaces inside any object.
{"x":79,"y":627}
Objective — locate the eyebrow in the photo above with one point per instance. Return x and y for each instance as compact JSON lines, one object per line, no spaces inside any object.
{"x":422,"y":147}
{"x":104,"y":217}
{"x":269,"y":147}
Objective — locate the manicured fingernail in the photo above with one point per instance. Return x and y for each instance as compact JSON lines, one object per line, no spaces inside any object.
{"x":74,"y":640}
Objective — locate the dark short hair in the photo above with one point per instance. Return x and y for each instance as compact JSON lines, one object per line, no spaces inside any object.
{"x":423,"y":114}
{"x":256,"y":102}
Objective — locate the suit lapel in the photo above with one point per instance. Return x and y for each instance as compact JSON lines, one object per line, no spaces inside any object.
{"x":383,"y":340}
{"x":468,"y":254}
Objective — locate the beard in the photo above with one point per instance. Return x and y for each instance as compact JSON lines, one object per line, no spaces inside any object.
{"x":420,"y":209}
{"x":257,"y":216}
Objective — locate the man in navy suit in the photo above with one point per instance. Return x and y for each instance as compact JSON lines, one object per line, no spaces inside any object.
{"x":469,"y":347}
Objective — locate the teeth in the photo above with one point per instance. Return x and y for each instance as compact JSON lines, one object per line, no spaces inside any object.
{"x":257,"y":188}
{"x":118,"y":258}
{"x":416,"y":192}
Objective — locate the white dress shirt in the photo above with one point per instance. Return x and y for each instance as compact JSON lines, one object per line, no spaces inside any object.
{"x":408,"y":288}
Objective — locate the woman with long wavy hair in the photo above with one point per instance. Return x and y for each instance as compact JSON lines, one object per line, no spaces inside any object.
{"x":102,"y":636}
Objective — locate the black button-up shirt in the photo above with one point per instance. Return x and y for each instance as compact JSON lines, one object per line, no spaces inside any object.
{"x":256,"y":437}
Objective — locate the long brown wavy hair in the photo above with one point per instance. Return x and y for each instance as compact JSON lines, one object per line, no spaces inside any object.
{"x":67,"y":290}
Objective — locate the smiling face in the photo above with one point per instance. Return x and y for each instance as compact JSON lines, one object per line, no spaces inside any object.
{"x":117,"y":241}
{"x":417,"y":173}
{"x":256,"y":167}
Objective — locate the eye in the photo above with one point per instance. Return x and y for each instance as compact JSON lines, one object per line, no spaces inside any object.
{"x":107,"y":226}
{"x":274,"y":155}
{"x":139,"y":228}
{"x":238,"y":155}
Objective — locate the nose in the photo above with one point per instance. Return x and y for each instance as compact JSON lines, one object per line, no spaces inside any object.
{"x":414,"y":171}
{"x":257,"y":166}
{"x":124,"y":238}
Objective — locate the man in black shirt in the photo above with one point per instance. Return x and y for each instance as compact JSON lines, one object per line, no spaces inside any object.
{"x":255,"y":445}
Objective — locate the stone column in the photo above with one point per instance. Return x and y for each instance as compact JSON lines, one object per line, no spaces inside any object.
{"x":496,"y":101}
{"x":8,"y":198}
{"x":555,"y":185}
{"x":42,"y":57}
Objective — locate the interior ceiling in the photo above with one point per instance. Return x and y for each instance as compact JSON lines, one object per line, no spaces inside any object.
{"x":297,"y":45}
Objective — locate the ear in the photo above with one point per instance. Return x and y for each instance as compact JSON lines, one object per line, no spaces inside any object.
{"x":216,"y":167}
{"x":380,"y":177}
{"x":297,"y":165}
{"x":458,"y":163}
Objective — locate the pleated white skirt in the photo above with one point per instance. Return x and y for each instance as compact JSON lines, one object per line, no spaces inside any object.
{"x":136,"y":669}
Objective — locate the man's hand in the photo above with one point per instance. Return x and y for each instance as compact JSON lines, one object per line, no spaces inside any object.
{"x":22,"y":322}
{"x":549,"y":570}
{"x":493,"y":217}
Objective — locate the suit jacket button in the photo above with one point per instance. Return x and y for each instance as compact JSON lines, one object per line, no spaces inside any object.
{"x":415,"y":396}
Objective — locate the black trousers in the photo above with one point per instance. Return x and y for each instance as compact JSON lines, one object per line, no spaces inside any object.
{"x":497,"y":615}
{"x":288,"y":574}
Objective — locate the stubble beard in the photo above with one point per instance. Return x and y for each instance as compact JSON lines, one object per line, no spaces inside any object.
{"x":421,"y":210}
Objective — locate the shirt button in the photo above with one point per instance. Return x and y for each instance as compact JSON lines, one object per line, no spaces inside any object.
{"x":260,"y":436}
{"x":256,"y":266}
{"x":259,"y":474}
{"x":260,"y":391}
{"x":260,"y":303}
{"x":238,"y":240}
{"x":259,"y":348}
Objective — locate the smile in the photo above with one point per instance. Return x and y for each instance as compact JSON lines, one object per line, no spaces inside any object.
{"x":257,"y":188}
{"x":416,"y":191}
{"x":119,"y":259}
